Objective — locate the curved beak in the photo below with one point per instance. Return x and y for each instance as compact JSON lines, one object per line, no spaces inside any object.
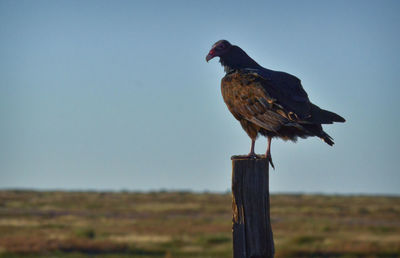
{"x":210,"y":55}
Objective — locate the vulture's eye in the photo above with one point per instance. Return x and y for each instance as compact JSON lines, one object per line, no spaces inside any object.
{"x":221,"y":46}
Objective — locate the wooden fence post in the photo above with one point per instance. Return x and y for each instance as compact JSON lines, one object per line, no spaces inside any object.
{"x":252,"y":232}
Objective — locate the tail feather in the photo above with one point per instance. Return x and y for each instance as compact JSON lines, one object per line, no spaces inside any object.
{"x":327,"y":138}
{"x":316,"y":130}
{"x":322,"y":116}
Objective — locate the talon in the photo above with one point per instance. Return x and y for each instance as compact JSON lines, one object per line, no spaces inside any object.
{"x":268,"y":153}
{"x":269,"y":158}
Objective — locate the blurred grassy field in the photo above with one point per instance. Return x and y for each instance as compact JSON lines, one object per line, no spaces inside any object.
{"x":182,"y":224}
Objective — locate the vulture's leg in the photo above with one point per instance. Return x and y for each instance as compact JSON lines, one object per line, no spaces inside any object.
{"x":268,"y":153}
{"x":252,"y":154}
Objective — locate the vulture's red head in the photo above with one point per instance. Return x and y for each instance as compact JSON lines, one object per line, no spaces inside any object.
{"x":218,"y":49}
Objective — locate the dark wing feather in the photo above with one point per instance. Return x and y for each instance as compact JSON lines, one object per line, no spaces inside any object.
{"x":289,"y":93}
{"x":288,"y":90}
{"x":254,"y":98}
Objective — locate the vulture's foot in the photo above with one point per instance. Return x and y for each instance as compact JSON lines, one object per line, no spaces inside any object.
{"x":252,"y":155}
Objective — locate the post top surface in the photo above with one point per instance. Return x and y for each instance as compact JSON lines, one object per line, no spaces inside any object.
{"x":246,"y":157}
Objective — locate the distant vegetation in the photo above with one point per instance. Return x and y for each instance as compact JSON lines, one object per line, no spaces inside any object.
{"x":183,"y":224}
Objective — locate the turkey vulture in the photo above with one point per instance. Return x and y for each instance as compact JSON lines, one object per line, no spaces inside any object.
{"x":267,"y":102}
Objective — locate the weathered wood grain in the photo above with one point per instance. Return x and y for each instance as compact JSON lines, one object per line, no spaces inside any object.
{"x":252,"y":232}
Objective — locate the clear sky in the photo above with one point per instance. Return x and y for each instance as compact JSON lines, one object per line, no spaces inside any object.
{"x":112,"y":95}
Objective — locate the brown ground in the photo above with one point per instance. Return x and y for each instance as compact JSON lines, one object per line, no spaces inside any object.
{"x":181,"y":224}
